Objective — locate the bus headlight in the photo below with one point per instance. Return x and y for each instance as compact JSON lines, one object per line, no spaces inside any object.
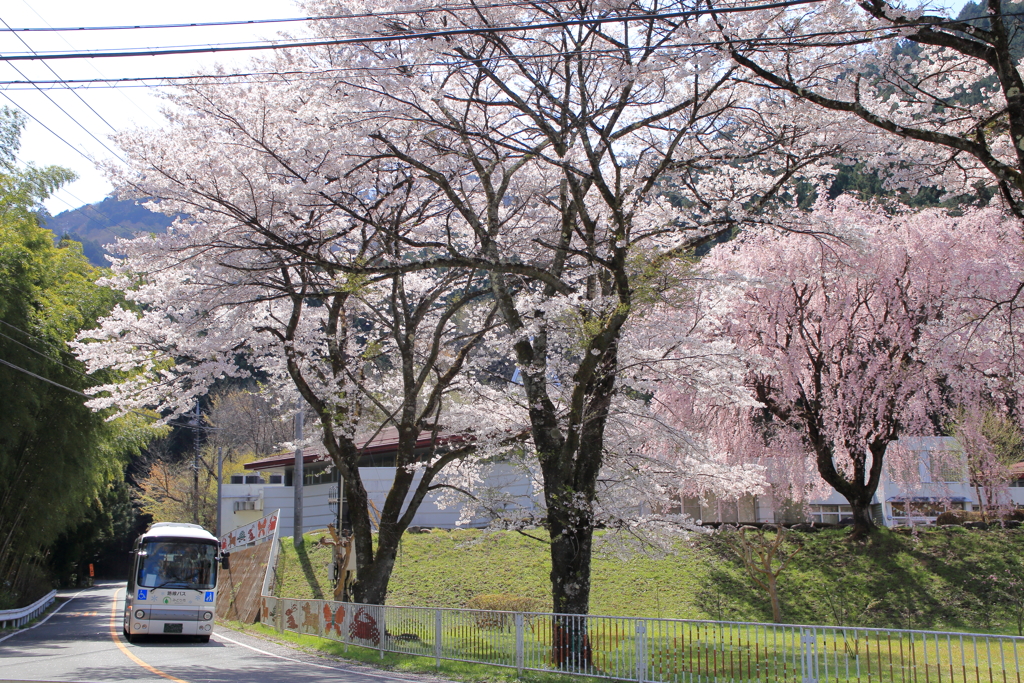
{"x":207,"y":616}
{"x":139,"y":614}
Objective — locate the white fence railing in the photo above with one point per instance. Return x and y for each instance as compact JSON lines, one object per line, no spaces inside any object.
{"x":658,"y":650}
{"x":20,"y":617}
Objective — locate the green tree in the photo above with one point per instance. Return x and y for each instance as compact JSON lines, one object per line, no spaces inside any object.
{"x":57,"y":457}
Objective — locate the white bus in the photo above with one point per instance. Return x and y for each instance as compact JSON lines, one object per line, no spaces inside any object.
{"x":172,"y":589}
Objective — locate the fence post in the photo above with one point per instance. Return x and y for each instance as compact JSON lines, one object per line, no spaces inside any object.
{"x":519,"y":644}
{"x":808,"y":656}
{"x":641,"y":651}
{"x":279,"y":616}
{"x":437,"y":638}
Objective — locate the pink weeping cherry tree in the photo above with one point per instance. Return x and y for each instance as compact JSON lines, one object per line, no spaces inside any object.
{"x":864,"y":327}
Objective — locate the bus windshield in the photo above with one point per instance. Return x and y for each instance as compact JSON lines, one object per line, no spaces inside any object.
{"x":177,"y":564}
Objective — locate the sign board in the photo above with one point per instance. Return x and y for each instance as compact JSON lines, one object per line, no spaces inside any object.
{"x":260,"y":530}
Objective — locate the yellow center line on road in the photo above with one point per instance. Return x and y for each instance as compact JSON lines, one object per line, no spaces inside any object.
{"x":120,"y":645}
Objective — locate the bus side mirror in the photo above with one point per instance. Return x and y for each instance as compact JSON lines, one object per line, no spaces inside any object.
{"x":225,"y":561}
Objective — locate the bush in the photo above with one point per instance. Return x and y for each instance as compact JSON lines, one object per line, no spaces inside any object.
{"x":1015,"y":515}
{"x":950,"y":517}
{"x":501,"y":602}
{"x":959,"y":517}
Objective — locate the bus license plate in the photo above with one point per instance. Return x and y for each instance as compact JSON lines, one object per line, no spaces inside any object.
{"x":172,"y":628}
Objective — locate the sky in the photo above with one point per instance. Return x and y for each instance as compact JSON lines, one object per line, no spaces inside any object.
{"x":84,"y":119}
{"x":86,"y":123}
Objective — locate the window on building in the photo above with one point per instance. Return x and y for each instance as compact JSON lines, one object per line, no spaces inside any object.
{"x":253,"y":479}
{"x":946,"y":466}
{"x":312,"y":478}
{"x":241,"y":505}
{"x":921,"y":512}
{"x":830,"y":514}
{"x":275,"y":478}
{"x":389,"y":459}
{"x":691,"y":508}
{"x":237,"y":479}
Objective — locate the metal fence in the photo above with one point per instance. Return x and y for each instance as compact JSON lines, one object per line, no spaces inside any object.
{"x":20,"y":617}
{"x":658,"y":650}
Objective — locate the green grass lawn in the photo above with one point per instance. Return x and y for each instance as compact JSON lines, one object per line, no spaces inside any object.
{"x":391,"y":661}
{"x":936,"y":579}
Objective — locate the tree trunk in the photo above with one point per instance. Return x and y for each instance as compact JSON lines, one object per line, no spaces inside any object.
{"x":863,"y":523}
{"x":862,"y":484}
{"x":773,"y":592}
{"x":572,"y":533}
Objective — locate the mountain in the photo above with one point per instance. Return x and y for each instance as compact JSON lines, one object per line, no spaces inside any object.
{"x":97,"y":225}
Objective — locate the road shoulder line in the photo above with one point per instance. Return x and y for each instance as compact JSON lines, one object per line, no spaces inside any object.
{"x":37,"y":625}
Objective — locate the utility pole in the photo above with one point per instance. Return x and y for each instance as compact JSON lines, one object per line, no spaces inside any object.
{"x":297,"y":478}
{"x":195,"y":468}
{"x":220,"y":485}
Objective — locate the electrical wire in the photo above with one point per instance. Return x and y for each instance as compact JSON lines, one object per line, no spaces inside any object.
{"x":57,"y":384}
{"x":40,"y":377}
{"x":33,"y":336}
{"x":168,"y":81}
{"x":79,"y":393}
{"x":38,"y":352}
{"x":165,"y":81}
{"x":53,"y":132}
{"x":50,"y":68}
{"x":249,"y":22}
{"x":68,"y":114}
{"x":92,"y":65}
{"x":398,"y":37}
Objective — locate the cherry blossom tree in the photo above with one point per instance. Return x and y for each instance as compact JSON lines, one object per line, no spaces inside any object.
{"x":286,"y":258}
{"x":991,"y":444}
{"x":851,"y":311}
{"x":364,"y":226}
{"x":558,"y":150}
{"x":932,"y":100}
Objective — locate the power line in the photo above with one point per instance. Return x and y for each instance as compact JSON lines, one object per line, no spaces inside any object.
{"x":360,"y":40}
{"x":50,"y":68}
{"x":92,"y":65}
{"x":82,"y":204}
{"x":33,"y":336}
{"x":44,"y":379}
{"x":73,"y":391}
{"x":249,"y":22}
{"x":142,"y":81}
{"x":55,"y":134}
{"x":66,"y":113}
{"x":38,"y":352}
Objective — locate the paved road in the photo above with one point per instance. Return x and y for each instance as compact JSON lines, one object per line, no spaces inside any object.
{"x":83,"y":642}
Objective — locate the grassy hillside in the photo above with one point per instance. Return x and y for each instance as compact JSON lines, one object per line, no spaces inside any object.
{"x":934,"y":579}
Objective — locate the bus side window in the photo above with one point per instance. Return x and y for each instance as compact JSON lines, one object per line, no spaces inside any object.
{"x":133,"y":567}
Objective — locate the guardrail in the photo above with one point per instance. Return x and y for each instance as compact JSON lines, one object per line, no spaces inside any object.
{"x":22,"y":616}
{"x":658,"y":650}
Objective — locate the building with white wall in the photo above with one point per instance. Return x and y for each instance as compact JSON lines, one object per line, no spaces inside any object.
{"x":267,"y":486}
{"x":939,"y":482}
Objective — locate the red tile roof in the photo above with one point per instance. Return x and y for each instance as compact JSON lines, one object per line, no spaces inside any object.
{"x":385,"y":441}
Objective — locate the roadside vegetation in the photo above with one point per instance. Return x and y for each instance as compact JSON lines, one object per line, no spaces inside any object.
{"x":948,"y":578}
{"x":402,"y":663}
